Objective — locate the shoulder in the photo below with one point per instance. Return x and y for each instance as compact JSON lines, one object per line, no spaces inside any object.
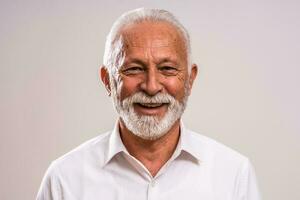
{"x":229,"y":170}
{"x":91,"y":152}
{"x":217,"y":152}
{"x":60,"y":175}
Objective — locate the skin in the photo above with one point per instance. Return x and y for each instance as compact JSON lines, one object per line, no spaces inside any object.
{"x":155,"y":61}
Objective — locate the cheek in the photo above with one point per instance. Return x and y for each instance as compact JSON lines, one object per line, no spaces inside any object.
{"x":127,"y":87}
{"x":175,"y":87}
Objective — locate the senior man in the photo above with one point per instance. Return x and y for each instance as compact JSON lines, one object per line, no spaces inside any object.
{"x":149,"y":154}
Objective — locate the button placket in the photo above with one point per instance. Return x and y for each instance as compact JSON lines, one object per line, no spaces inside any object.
{"x":151,"y":189}
{"x":152,"y":183}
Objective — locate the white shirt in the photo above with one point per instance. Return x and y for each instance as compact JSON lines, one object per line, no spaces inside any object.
{"x":102,"y":168}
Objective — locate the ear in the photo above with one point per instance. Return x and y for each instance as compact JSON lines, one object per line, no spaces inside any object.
{"x":192,"y":77}
{"x":104,"y":75}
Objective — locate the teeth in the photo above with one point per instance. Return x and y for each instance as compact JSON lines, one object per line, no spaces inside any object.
{"x":152,"y":105}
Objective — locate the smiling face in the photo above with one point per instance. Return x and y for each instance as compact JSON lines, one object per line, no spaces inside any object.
{"x":151,"y":86}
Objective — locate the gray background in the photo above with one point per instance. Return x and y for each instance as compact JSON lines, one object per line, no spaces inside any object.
{"x":246,"y":95}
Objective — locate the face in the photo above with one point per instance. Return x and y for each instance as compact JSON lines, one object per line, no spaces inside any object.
{"x":151,"y":85}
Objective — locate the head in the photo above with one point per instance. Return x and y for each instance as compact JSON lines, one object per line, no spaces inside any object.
{"x":148,"y":71}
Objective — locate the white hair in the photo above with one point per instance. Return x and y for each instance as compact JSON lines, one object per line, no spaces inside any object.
{"x":114,"y":44}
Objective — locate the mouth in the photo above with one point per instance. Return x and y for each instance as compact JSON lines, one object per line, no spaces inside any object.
{"x":151,"y":108}
{"x":151,"y":105}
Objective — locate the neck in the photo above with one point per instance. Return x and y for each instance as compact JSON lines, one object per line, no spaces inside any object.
{"x":152,"y":153}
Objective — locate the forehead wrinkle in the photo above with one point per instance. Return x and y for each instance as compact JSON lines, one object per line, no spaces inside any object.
{"x":133,"y":40}
{"x":150,"y":54}
{"x":148,"y":44}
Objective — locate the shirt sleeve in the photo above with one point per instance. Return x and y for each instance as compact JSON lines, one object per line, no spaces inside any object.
{"x":50,"y":188}
{"x":248,"y":188}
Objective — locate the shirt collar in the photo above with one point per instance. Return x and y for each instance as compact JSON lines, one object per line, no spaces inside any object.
{"x":187,"y":143}
{"x":115,"y":144}
{"x":191,"y":144}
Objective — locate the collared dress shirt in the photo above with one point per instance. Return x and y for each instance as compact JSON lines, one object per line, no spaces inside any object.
{"x":200,"y":168}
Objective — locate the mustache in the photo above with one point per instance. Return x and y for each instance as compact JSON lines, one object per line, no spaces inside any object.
{"x":141,"y":97}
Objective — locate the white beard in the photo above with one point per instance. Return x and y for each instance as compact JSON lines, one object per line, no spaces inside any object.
{"x":146,"y":126}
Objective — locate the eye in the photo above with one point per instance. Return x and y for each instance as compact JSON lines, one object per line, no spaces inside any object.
{"x":132,"y":70}
{"x":168,"y":70}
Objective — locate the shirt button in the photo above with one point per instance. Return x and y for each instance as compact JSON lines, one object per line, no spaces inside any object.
{"x":152,"y":183}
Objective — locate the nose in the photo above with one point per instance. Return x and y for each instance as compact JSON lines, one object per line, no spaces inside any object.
{"x":152,"y":84}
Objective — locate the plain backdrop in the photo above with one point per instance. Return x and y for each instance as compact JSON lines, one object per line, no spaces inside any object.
{"x":246,"y":95}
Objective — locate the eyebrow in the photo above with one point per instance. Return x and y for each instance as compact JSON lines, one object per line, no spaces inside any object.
{"x":134,"y":60}
{"x":141,"y":62}
{"x":168,"y":59}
